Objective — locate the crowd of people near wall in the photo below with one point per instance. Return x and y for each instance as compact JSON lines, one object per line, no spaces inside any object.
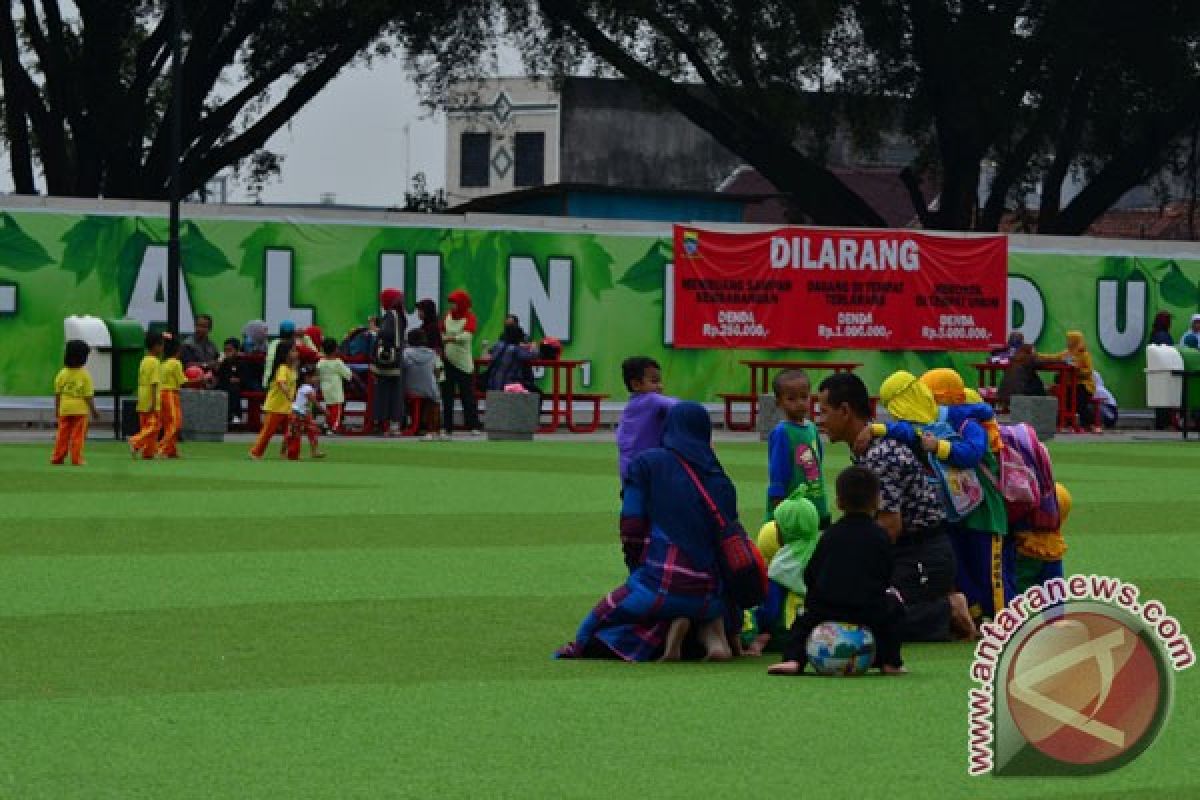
{"x":301,"y":375}
{"x":433,"y":361}
{"x":930,"y":541}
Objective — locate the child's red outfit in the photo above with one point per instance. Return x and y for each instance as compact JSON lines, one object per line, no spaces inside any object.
{"x":333,"y":373}
{"x":301,"y":422}
{"x":73,"y":387}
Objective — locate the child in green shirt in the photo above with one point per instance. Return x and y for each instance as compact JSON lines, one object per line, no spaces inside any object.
{"x":794,"y":451}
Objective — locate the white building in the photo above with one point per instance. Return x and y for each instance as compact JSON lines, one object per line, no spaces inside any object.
{"x":502,"y":134}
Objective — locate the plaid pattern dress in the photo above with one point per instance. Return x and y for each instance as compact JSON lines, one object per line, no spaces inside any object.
{"x":632,"y":620}
{"x":669,"y":539}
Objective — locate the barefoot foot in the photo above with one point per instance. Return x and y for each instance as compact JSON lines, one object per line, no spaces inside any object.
{"x":673,"y":648}
{"x":716,"y":646}
{"x":785,"y":668}
{"x":756,"y":647}
{"x":961,"y":623}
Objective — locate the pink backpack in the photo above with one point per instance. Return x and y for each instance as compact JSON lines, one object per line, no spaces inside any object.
{"x":1027,"y":480}
{"x":1016,"y":482}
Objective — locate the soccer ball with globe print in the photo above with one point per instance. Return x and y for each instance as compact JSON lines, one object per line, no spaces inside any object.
{"x":840,"y":648}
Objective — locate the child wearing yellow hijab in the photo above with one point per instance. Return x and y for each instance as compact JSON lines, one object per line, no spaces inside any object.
{"x":949,"y":390}
{"x":1077,"y":355}
{"x":986,"y":561}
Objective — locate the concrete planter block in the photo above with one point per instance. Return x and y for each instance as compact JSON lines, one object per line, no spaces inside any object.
{"x":205,"y":415}
{"x":1040,"y":412}
{"x":769,"y":416}
{"x":511,"y":416}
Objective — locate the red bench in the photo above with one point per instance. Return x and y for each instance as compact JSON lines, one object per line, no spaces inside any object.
{"x":588,"y":427}
{"x":253,"y":419}
{"x":730,"y":399}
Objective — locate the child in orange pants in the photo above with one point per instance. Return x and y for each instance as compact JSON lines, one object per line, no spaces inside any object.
{"x":149,"y":379}
{"x":72,"y":404}
{"x":277,"y":406}
{"x":171,"y":414}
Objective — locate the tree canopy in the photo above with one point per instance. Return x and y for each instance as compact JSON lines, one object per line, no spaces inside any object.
{"x":85,"y":95}
{"x":1044,"y":89}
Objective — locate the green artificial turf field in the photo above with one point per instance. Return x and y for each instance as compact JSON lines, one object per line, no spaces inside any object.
{"x":380,"y":624}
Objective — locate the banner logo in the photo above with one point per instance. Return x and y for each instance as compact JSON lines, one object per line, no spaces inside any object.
{"x":691,"y":243}
{"x":1077,"y":678}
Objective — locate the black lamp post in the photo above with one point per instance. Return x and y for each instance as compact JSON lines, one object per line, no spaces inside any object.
{"x":173,"y":252}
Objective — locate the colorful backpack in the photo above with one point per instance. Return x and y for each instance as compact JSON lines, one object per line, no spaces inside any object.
{"x":959,"y":488}
{"x":1023,"y":445}
{"x":1017,"y":484}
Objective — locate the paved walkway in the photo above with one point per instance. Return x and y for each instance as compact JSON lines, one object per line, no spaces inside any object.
{"x":102,"y":434}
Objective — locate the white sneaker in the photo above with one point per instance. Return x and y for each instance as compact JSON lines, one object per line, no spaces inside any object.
{"x":445,"y":437}
{"x":477,"y":432}
{"x":429,"y":437}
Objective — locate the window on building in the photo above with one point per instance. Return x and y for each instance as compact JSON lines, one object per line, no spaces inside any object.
{"x":531,"y":157}
{"x":473,"y":163}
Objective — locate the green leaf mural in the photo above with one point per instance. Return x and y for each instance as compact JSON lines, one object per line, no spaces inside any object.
{"x":483,"y":273}
{"x":129,"y":261}
{"x":648,"y":272}
{"x":593,"y":264}
{"x":18,"y":250}
{"x":66,"y":262}
{"x":1118,"y":267}
{"x":1175,"y":288}
{"x":198,"y":254}
{"x":96,"y":244}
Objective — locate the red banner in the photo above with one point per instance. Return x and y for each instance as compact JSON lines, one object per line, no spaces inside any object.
{"x":822,"y":289}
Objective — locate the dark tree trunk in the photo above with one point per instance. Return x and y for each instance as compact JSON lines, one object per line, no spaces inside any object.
{"x":16,"y":124}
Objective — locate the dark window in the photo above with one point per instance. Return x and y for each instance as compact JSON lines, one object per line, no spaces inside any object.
{"x":530,"y":166}
{"x":476,"y":147}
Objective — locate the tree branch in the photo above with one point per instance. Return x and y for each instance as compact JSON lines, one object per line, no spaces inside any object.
{"x":1066,"y":147}
{"x":916,"y":195}
{"x":1133,"y":164}
{"x":827,"y":199}
{"x":739,"y":56}
{"x":204,"y":165}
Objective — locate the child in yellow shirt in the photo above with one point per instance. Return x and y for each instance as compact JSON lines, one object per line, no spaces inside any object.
{"x":171,"y":414}
{"x":277,"y":407}
{"x":73,"y":404}
{"x":145,"y":440}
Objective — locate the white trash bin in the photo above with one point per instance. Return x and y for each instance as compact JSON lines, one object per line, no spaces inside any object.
{"x":93,"y":331}
{"x":1163,"y":390}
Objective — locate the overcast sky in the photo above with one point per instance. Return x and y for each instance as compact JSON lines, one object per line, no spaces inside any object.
{"x":350,"y":141}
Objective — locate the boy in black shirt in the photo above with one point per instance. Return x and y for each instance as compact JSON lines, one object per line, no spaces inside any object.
{"x":849,"y":578}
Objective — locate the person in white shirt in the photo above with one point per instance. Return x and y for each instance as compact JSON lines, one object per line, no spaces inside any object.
{"x":303,"y":422}
{"x":1108,"y":403}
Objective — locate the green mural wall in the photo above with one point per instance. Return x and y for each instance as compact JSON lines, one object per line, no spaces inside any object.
{"x":605,"y":294}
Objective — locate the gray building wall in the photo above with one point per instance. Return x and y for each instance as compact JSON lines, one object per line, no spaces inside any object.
{"x":613,"y":136}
